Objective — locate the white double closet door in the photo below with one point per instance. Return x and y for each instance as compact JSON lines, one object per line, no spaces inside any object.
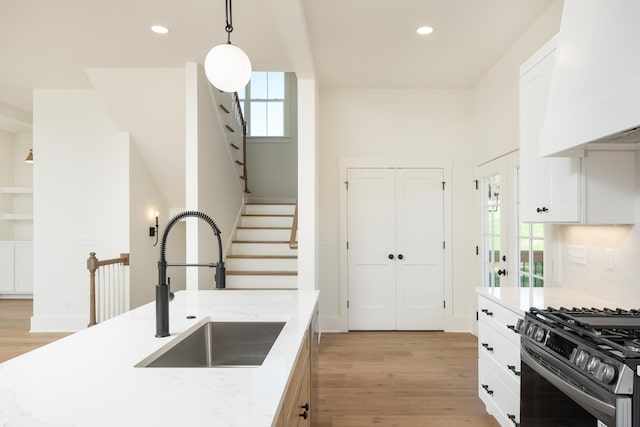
{"x":395,"y":229}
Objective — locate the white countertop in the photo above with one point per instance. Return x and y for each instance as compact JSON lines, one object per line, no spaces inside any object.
{"x":89,"y":378}
{"x":520,"y":300}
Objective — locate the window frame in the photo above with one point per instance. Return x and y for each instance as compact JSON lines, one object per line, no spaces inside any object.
{"x":289,"y":93}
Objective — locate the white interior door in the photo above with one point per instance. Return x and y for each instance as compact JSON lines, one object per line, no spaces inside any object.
{"x":419,"y":244}
{"x":395,"y":256}
{"x":371,"y":273}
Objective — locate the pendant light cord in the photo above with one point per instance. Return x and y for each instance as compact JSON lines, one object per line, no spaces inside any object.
{"x":229,"y":27}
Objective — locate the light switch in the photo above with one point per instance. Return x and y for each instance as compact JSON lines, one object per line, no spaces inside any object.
{"x":577,"y":254}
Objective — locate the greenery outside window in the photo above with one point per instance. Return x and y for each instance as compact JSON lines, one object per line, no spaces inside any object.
{"x":265,"y":103}
{"x":531,"y":250}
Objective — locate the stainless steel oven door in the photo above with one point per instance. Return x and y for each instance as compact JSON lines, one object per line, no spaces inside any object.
{"x":552,"y":395}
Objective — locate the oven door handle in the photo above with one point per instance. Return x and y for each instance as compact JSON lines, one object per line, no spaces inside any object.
{"x":601,"y":410}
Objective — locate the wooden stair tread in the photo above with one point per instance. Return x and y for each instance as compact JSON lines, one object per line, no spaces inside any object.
{"x":267,"y":203}
{"x":261,"y":273}
{"x":261,"y":241}
{"x":269,"y":215}
{"x":264,"y":228}
{"x":263,"y":256}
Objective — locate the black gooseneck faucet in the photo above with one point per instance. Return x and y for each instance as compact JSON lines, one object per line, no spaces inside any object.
{"x":163,"y":293}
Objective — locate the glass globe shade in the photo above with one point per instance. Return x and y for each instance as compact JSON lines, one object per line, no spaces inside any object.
{"x":227,"y":67}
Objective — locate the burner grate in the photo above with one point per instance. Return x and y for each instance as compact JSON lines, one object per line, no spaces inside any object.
{"x":617,"y":329}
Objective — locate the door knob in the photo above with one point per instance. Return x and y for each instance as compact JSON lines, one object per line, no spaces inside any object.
{"x":390,"y":256}
{"x":400,"y":256}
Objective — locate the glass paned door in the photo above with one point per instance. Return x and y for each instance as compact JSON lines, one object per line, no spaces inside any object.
{"x":491,"y":234}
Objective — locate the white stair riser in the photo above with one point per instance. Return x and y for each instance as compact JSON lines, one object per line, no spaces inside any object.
{"x":261,"y":264}
{"x":266,"y":221}
{"x":270,"y":209}
{"x":262,"y":235}
{"x":269,"y":282}
{"x":262,"y":249}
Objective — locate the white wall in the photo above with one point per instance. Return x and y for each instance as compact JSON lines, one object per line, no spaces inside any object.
{"x":495,"y":96}
{"x":81,"y":183}
{"x":400,"y":124}
{"x":211,"y":182}
{"x":273,"y":164}
{"x":145,"y":199}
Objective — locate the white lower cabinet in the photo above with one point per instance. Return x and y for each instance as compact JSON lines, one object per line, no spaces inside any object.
{"x":499,"y":361}
{"x":16,"y":268}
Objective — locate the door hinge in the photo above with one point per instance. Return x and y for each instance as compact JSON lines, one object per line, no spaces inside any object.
{"x":348,"y":304}
{"x":476,"y":181}
{"x":443,"y":245}
{"x":444,"y":304}
{"x":346,"y":183}
{"x":443,"y":182}
{"x":347,"y":245}
{"x":477,"y":251}
{"x":477,"y":318}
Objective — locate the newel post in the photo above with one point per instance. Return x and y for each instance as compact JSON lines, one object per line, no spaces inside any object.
{"x":92,"y":266}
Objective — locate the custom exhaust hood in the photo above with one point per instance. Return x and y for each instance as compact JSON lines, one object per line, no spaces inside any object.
{"x":595,"y":88}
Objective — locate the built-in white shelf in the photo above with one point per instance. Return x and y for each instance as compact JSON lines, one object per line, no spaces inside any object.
{"x":16,"y":190}
{"x":16,"y":216}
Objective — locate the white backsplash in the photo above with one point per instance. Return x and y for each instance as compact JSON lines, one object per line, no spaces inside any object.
{"x":620,"y":284}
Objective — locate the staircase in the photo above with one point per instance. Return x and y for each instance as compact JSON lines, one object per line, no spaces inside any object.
{"x":260,"y":256}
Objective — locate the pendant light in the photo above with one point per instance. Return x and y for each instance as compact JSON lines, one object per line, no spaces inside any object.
{"x":227,"y":67}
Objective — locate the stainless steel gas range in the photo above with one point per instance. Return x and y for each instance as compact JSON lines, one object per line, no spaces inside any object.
{"x":580,"y":368}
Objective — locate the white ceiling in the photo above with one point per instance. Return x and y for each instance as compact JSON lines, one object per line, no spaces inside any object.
{"x":355,"y":43}
{"x":78,"y":44}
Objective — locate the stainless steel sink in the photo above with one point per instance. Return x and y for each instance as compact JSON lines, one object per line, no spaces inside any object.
{"x":217,"y":344}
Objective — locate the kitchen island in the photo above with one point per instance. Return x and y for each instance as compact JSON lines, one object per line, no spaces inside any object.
{"x":90,"y":379}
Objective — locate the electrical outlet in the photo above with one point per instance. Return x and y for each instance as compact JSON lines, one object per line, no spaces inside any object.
{"x":87,"y":239}
{"x":577,"y":254}
{"x":609,"y":258}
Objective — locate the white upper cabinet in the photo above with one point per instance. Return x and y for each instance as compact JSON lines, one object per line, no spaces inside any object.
{"x":596,"y":189}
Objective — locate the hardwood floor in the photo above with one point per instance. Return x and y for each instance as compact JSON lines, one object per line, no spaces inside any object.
{"x":404,"y":379}
{"x":15,"y":338}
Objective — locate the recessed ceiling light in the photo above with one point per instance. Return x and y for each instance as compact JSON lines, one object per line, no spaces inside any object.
{"x":159,"y":29}
{"x":423,"y":31}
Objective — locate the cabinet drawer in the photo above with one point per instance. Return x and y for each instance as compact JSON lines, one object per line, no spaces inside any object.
{"x":499,"y":317}
{"x":494,"y":392}
{"x":504,"y":351}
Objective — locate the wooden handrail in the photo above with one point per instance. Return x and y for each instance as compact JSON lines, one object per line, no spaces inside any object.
{"x":93,"y":264}
{"x":293,"y":239}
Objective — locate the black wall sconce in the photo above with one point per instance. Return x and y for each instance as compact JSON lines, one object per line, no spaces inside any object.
{"x":154,"y":231}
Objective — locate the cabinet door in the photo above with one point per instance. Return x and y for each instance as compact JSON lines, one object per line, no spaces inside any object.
{"x":549,"y":187}
{"x":6,"y":267}
{"x":24,"y":268}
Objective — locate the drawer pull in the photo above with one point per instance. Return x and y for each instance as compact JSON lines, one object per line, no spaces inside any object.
{"x":512,"y":368}
{"x":486,"y":388}
{"x":486,"y":346}
{"x":487,"y":312}
{"x":513,"y":328}
{"x":513,"y":420}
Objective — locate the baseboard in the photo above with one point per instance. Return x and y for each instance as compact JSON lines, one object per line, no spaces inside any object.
{"x":332,"y":324}
{"x":58,"y":323}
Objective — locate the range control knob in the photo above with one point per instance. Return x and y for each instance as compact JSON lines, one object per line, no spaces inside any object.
{"x":606,"y":373}
{"x":531,"y":330}
{"x":581,"y":359}
{"x":540,"y":334}
{"x":593,"y":365}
